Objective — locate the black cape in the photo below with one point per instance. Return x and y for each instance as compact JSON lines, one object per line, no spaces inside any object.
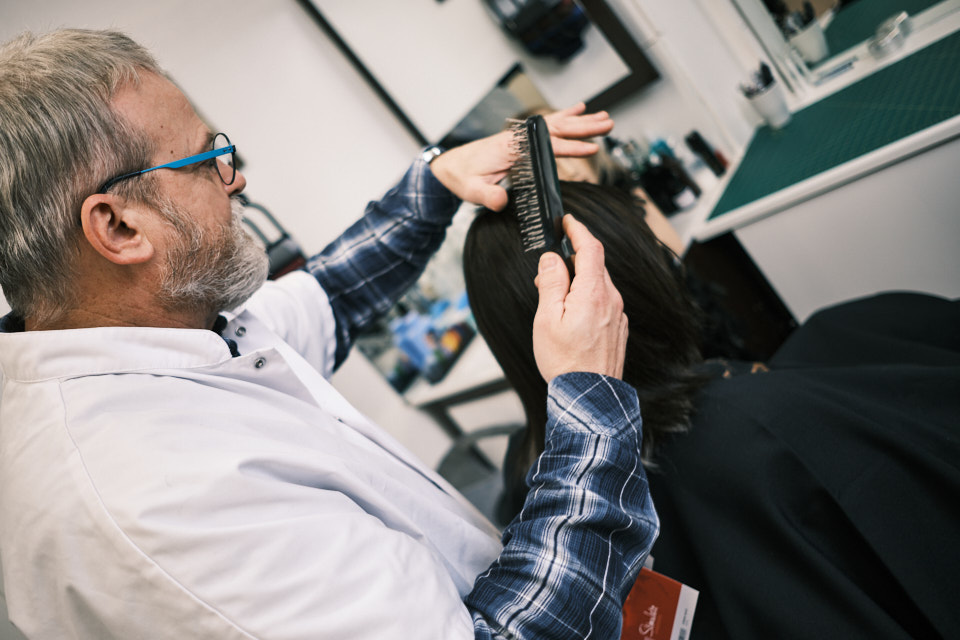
{"x":821,"y":498}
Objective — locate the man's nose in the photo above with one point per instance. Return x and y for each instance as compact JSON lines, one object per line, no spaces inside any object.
{"x":238,"y":185}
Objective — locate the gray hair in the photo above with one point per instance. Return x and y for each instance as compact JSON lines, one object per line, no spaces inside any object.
{"x":59,"y":141}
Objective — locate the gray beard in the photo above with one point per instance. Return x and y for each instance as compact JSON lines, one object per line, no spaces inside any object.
{"x":214,"y":272}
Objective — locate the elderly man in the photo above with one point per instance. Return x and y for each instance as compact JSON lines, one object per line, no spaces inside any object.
{"x":173,"y":461}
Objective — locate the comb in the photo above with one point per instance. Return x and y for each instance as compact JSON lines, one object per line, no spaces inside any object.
{"x":536,"y":189}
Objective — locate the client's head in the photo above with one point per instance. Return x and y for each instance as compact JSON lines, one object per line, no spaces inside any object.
{"x":664,"y":323}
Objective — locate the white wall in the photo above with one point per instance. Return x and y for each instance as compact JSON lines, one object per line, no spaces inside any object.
{"x":700,"y":71}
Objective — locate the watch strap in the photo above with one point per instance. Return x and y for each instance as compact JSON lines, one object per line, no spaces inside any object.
{"x":431,"y":153}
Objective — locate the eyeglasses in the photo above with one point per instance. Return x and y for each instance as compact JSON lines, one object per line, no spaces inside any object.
{"x":226,"y":167}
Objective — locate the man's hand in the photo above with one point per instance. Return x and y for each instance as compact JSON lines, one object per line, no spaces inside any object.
{"x":472,"y":171}
{"x":579,"y":326}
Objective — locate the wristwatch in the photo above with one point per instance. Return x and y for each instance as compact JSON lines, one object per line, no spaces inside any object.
{"x":431,"y":153}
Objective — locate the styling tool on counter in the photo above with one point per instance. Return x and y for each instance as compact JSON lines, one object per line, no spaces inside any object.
{"x":767,"y":97}
{"x":663,"y":183}
{"x":536,"y":189}
{"x":843,"y":67}
{"x":762,"y":79}
{"x":803,"y":31}
{"x":811,"y":43}
{"x":890,"y":35}
{"x":710,"y":156}
{"x":796,"y":21}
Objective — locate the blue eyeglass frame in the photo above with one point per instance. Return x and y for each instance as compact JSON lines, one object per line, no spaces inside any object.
{"x":183,"y":162}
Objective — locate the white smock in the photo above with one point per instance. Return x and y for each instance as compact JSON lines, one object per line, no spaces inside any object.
{"x":153,"y":486}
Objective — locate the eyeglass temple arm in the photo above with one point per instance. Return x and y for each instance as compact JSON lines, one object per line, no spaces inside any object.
{"x":176,"y":164}
{"x":200,"y":157}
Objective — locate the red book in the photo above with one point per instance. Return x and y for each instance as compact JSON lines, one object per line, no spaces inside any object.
{"x":658,"y":608}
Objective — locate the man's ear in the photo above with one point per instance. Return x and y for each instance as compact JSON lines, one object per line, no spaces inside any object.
{"x":116,"y":229}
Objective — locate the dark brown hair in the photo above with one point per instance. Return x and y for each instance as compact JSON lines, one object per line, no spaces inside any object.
{"x":662,"y":349}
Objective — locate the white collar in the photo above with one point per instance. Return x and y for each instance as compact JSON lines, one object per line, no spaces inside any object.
{"x":31,"y":356}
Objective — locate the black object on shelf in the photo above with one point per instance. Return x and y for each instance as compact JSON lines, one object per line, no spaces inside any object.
{"x":551,"y":28}
{"x":660,"y":174}
{"x":665,"y":187}
{"x":714,"y":161}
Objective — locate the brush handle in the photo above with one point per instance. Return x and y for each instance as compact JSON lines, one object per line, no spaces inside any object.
{"x":548,"y":188}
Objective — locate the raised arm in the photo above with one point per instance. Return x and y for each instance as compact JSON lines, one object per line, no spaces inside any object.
{"x":571,"y":556}
{"x":366,"y":270}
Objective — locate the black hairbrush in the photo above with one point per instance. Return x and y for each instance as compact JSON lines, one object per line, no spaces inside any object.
{"x":536,"y":189}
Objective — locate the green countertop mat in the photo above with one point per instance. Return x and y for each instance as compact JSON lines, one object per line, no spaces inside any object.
{"x":859,"y":20}
{"x":910,"y":95}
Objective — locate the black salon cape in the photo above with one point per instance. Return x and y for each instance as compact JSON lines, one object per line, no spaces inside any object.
{"x":821,"y":499}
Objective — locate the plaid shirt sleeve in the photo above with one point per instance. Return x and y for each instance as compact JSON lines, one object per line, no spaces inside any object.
{"x":366,"y":270}
{"x":572,"y":555}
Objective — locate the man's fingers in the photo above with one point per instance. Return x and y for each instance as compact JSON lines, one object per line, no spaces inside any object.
{"x":571,"y":124}
{"x":563,"y":147}
{"x":572,"y":110}
{"x":588,"y":250}
{"x":582,"y":126}
{"x":491,"y":196}
{"x":553,"y":283}
{"x":579,"y":326}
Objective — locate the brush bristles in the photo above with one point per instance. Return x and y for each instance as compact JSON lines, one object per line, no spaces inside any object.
{"x":522,"y":180}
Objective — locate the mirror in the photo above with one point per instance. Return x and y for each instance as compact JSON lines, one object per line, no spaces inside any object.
{"x":822,"y":36}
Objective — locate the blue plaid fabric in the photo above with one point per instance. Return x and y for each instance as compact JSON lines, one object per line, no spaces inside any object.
{"x":366,"y":270}
{"x":573,"y":553}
